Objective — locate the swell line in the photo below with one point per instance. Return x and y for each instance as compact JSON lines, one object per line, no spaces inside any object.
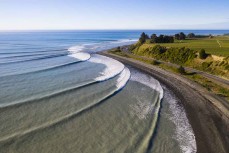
{"x":147,"y":142}
{"x":32,"y":100}
{"x":44,"y":70}
{"x":44,"y":57}
{"x":122,"y":82}
{"x":27,"y":55}
{"x":53,"y":94}
{"x":42,"y":51}
{"x":154,"y":125}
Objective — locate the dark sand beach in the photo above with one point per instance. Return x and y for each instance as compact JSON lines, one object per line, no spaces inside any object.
{"x":209,"y":118}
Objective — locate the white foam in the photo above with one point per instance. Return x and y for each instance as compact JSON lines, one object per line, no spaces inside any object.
{"x":101,"y":46}
{"x":143,"y":108}
{"x":76,"y":52}
{"x":127,"y":41}
{"x":112,"y":68}
{"x":124,"y":77}
{"x":81,"y":56}
{"x":76,"y":49}
{"x":148,"y":81}
{"x":184,"y":131}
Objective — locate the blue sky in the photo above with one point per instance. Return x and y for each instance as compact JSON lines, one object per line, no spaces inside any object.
{"x":113,"y":14}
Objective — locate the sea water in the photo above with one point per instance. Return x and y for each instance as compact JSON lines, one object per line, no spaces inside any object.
{"x":58,"y":95}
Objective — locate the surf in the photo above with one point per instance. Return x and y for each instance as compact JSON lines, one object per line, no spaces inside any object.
{"x":59,"y":91}
{"x":120,"y":83}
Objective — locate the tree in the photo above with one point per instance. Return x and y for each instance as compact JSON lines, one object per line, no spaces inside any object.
{"x":171,"y":39}
{"x":182,"y":36}
{"x":160,"y":39}
{"x":177,"y":36}
{"x":143,"y":38}
{"x":168,"y":39}
{"x":191,"y":35}
{"x":153,"y":36}
{"x":202,"y":54}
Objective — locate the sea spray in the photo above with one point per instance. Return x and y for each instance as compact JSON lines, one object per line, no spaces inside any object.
{"x":101,"y":46}
{"x":154,"y":106}
{"x":76,"y":52}
{"x":184,"y":133}
{"x":113,"y":67}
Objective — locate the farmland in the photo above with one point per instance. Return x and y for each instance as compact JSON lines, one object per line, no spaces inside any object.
{"x":218,"y":45}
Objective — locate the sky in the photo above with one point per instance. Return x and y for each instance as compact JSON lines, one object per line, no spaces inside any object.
{"x":113,"y":14}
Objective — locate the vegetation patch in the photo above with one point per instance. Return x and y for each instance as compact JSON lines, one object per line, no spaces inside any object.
{"x":118,"y":51}
{"x":181,"y":70}
{"x":206,"y":42}
{"x":202,"y":54}
{"x":191,"y":50}
{"x":210,"y":86}
{"x":154,"y":62}
{"x":173,"y":54}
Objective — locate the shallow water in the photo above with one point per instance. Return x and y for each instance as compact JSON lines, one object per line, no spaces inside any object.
{"x":56,"y":97}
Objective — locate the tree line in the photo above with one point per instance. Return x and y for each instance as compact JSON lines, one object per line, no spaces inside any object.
{"x":164,"y":38}
{"x":156,"y":39}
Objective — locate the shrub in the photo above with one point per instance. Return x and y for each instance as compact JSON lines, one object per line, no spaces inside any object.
{"x":154,"y":62}
{"x":202,"y":54}
{"x":205,"y":65}
{"x":226,"y":58}
{"x":226,"y":67}
{"x":132,"y":47}
{"x":174,"y":55}
{"x":221,"y":63}
{"x":157,"y":49}
{"x":178,"y":55}
{"x":181,"y":70}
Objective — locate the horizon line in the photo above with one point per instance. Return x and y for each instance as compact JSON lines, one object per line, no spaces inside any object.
{"x":14,"y":30}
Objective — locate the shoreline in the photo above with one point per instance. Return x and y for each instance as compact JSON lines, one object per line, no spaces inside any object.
{"x":207,"y":116}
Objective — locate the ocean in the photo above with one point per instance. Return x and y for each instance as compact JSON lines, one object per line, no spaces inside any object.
{"x":58,"y":95}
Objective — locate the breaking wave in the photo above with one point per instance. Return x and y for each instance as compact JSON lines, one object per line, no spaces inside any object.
{"x":46,"y":88}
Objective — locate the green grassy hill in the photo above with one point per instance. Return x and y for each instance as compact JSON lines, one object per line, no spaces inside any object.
{"x":186,"y":52}
{"x":218,"y":45}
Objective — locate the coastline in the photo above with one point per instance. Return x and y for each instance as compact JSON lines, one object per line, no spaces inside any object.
{"x":207,"y":116}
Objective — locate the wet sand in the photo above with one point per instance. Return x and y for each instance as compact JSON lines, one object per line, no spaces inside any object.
{"x":208,"y":117}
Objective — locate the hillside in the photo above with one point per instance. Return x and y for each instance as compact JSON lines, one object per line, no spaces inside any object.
{"x":218,"y":45}
{"x":186,"y":52}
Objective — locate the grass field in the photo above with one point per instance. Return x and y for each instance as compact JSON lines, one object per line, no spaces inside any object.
{"x":218,"y":45}
{"x":198,"y":78}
